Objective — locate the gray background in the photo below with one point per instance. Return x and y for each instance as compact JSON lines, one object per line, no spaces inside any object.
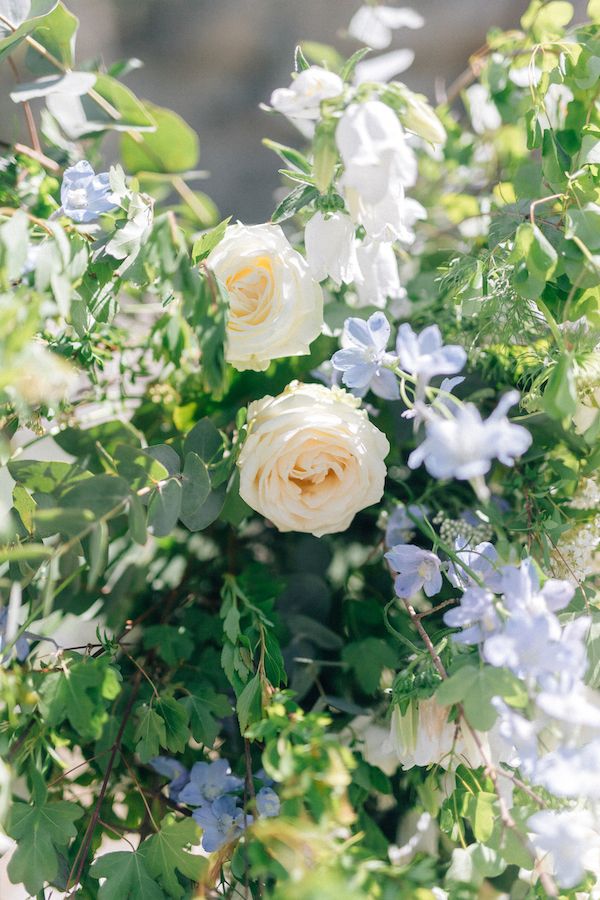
{"x":214,"y":61}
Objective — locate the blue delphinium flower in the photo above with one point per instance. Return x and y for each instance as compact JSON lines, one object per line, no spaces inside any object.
{"x":267,"y":802}
{"x":482,"y":560}
{"x":401,"y":524}
{"x":84,"y":195}
{"x":21,"y":646}
{"x":208,"y":781}
{"x":476,"y":615}
{"x":425,"y":356}
{"x":416,"y":568}
{"x":174,"y":770}
{"x":363,"y":357}
{"x":221,"y":821}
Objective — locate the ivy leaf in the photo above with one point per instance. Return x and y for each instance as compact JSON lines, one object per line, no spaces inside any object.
{"x":175,"y":716}
{"x":166,"y":853}
{"x":203,"y":704}
{"x":127,"y":877}
{"x":79,"y":694}
{"x":173,"y":644}
{"x":150,"y":734}
{"x":40,"y":831}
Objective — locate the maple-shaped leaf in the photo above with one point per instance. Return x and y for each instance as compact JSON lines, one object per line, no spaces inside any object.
{"x":127,"y":877}
{"x":79,"y":693}
{"x":167,"y":852}
{"x":150,"y":733}
{"x":39,"y":830}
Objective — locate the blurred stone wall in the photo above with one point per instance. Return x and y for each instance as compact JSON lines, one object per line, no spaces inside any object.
{"x":214,"y":61}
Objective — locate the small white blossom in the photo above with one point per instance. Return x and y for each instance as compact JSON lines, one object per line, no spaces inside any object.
{"x":301,"y":101}
{"x":84,"y":195}
{"x":484,"y":113}
{"x":374,"y":25}
{"x":330,"y":247}
{"x":376,"y":277}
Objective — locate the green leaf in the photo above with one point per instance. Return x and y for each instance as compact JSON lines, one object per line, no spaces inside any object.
{"x":75,"y":83}
{"x":40,"y":831}
{"x":231,"y":623}
{"x":289,"y":155}
{"x":78,"y":694}
{"x":209,"y":512}
{"x":175,"y":716}
{"x":474,"y":864}
{"x":138,"y":467}
{"x":584,"y":223}
{"x":164,"y":507}
{"x":167,"y":456}
{"x":166,"y":853}
{"x":24,"y":17}
{"x":137,"y":520}
{"x":560,"y":394}
{"x":25,"y":552}
{"x":172,"y":147}
{"x":593,"y":10}
{"x":67,"y":521}
{"x":203,"y":704}
{"x":102,"y":494}
{"x":481,"y":811}
{"x":205,"y":440}
{"x":196,"y":485}
{"x":80,"y":116}
{"x":44,"y":476}
{"x":249,"y":704}
{"x":209,"y":240}
{"x":150,"y":734}
{"x":535,"y":260}
{"x":173,"y":644}
{"x":57,"y":34}
{"x":368,"y":658}
{"x":127,"y":877}
{"x":474,"y":688}
{"x":547,"y":20}
{"x":294,"y":202}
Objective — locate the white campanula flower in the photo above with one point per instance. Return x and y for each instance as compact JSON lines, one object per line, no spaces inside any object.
{"x":383,"y":68}
{"x":425,"y":356}
{"x":416,"y":568}
{"x":374,"y":25}
{"x":476,"y":615}
{"x":372,"y":740}
{"x":482,"y":560}
{"x":483,"y":111}
{"x":401,"y":524}
{"x":301,"y":101}
{"x":378,"y":164}
{"x":312,"y":459}
{"x":208,"y":781}
{"x":464,"y":446}
{"x":568,"y":836}
{"x":275,"y":306}
{"x":267,"y":803}
{"x":84,"y":196}
{"x":420,"y":118}
{"x":330,"y":247}
{"x":376,"y":277}
{"x":364,"y":357}
{"x":221,"y":821}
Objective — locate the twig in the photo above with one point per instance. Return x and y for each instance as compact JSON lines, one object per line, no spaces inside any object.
{"x":79,"y":862}
{"x":30,"y":121}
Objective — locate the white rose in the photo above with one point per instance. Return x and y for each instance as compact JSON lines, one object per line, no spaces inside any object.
{"x":377,"y":278}
{"x":302,"y":99}
{"x":275,"y":307}
{"x":312,"y":459}
{"x":329,"y":243}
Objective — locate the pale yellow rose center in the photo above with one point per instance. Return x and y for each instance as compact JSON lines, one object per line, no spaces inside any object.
{"x":251,"y":294}
{"x":318,"y":470}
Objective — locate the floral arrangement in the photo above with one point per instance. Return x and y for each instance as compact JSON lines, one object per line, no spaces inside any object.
{"x":299,"y":519}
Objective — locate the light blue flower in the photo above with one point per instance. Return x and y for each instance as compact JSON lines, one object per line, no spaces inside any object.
{"x":174,"y":770}
{"x":522,"y":592}
{"x":478,"y":613}
{"x":401,"y":524}
{"x":425,"y":356}
{"x":363,"y":358}
{"x":463,"y":446}
{"x":267,"y":802}
{"x":208,"y":781}
{"x":21,"y":645}
{"x":221,"y":821}
{"x":84,"y":195}
{"x":416,"y":568}
{"x":482,"y":560}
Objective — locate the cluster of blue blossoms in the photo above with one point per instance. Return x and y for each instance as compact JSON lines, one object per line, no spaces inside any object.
{"x":211,"y":788}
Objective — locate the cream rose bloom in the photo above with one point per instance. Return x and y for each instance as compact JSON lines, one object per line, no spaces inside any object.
{"x":312,"y":459}
{"x":275,"y":306}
